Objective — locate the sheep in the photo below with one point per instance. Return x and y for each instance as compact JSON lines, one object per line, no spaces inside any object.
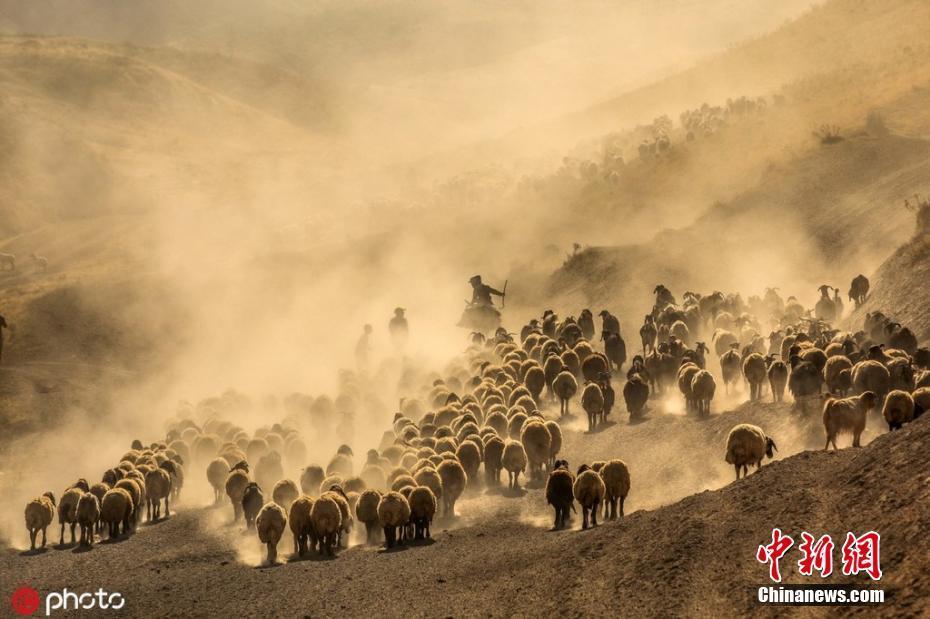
{"x":514,"y":460}
{"x":589,"y":491}
{"x":269,"y":469}
{"x":135,"y":486}
{"x":805,"y":379}
{"x":536,"y":442}
{"x":41,"y":262}
{"x":236,"y":482}
{"x":870,"y":375}
{"x":535,"y":381}
{"x":686,"y":373}
{"x":88,"y":513}
{"x":898,"y":409}
{"x":493,"y":454}
{"x":422,"y":510}
{"x":326,"y":517}
{"x":555,"y":442}
{"x":217,"y":471}
{"x":559,"y":493}
{"x":635,"y":395}
{"x":778,"y":377}
{"x":616,"y":478}
{"x":284,"y":493}
{"x":157,"y":487}
{"x":836,"y":373}
{"x":115,"y":509}
{"x":298,"y":519}
{"x":747,"y":444}
{"x":39,"y":513}
{"x":848,"y":414}
{"x":67,"y":512}
{"x":469,"y":456}
{"x":271,"y":522}
{"x":755,"y":372}
{"x":615,"y":351}
{"x":429,"y":477}
{"x":592,"y":401}
{"x":310,"y":479}
{"x":551,"y":368}
{"x":337,"y":494}
{"x":252,"y":501}
{"x":730,"y":367}
{"x":366,"y":511}
{"x":453,"y":484}
{"x":703,"y":387}
{"x":594,"y":366}
{"x":393,"y":512}
{"x":565,"y":386}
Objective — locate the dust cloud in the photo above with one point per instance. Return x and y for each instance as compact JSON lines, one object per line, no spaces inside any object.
{"x":268,"y":185}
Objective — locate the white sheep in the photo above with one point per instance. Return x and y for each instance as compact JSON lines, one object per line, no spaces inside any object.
{"x":514,"y":461}
{"x":271,"y":522}
{"x":284,"y":493}
{"x":366,"y":511}
{"x":565,"y":386}
{"x":537,"y":443}
{"x":393,"y":512}
{"x":592,"y":401}
{"x":115,"y":509}
{"x":236,"y":482}
{"x":67,"y":512}
{"x":747,"y":444}
{"x":703,"y":387}
{"x":454,"y":480}
{"x":217,"y":471}
{"x":7,"y":262}
{"x":39,"y":514}
{"x":327,"y":521}
{"x":298,"y":519}
{"x":422,"y":510}
{"x":88,"y":513}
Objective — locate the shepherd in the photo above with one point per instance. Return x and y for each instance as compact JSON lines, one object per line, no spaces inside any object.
{"x":481,"y":293}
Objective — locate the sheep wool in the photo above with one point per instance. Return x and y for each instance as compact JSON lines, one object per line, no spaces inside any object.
{"x":271,"y":522}
{"x":747,"y":445}
{"x":39,"y":514}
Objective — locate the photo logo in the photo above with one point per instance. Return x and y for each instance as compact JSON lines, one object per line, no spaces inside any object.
{"x":859,"y":554}
{"x":25,"y":601}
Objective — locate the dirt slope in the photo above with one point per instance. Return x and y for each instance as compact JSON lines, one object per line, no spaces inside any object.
{"x":899,"y":288}
{"x":694,"y":557}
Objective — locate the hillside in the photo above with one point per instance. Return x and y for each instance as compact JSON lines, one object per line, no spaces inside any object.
{"x":657,"y":561}
{"x":899,"y":288}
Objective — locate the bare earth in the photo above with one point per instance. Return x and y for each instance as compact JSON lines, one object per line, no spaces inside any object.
{"x":693,"y":557}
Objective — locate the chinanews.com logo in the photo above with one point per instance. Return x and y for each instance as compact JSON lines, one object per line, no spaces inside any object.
{"x":26,"y":601}
{"x":859,"y":554}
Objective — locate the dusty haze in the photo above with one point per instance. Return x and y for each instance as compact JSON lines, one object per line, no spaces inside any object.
{"x":228,"y":191}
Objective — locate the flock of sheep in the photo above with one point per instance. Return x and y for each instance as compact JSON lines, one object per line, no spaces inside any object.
{"x":8,"y":262}
{"x":484,"y":414}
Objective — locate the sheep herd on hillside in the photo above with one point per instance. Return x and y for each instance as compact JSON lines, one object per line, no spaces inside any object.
{"x":8,"y":262}
{"x":493,"y":409}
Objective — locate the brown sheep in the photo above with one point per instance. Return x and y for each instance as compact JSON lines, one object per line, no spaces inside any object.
{"x":589,"y":491}
{"x":755,"y":373}
{"x":898,"y":409}
{"x":616,"y":477}
{"x":848,"y":414}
